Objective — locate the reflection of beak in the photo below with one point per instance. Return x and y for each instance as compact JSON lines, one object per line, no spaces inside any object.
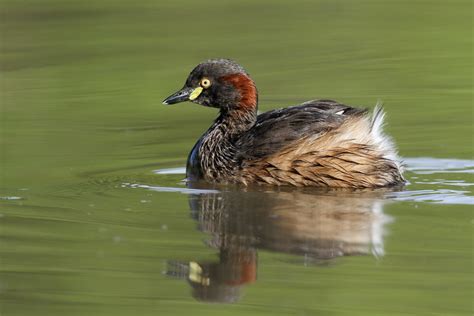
{"x":185,"y":94}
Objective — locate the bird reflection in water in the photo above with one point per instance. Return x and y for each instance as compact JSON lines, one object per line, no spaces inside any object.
{"x":318,"y":226}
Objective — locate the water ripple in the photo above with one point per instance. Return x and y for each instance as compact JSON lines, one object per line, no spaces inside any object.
{"x":179,"y":170}
{"x":168,"y":189}
{"x":11,"y":198}
{"x":441,"y":196}
{"x":427,"y":165}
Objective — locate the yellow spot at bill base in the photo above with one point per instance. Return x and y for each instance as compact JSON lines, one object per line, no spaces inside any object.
{"x":196,"y":92}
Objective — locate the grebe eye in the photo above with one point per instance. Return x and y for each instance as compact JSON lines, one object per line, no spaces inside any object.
{"x":205,"y":83}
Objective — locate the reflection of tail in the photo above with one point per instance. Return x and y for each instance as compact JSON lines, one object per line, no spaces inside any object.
{"x":378,"y":230}
{"x":323,"y":227}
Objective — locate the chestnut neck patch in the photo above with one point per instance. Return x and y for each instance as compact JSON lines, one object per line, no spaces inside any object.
{"x":246,"y":88}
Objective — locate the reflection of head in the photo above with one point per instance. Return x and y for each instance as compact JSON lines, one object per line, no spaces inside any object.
{"x":218,"y":281}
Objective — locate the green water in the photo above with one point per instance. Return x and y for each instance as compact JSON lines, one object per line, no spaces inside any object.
{"x":89,"y":227}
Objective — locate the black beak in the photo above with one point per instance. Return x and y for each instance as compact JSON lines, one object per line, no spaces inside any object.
{"x":180,"y":96}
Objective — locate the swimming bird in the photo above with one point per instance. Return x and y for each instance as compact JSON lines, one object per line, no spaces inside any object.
{"x":319,"y":143}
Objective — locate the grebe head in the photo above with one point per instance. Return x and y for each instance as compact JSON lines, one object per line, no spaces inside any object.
{"x":219,"y":83}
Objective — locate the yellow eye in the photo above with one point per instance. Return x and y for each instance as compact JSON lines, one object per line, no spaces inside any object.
{"x":205,"y":83}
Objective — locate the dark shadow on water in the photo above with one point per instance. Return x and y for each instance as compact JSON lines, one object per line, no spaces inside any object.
{"x":316,"y":226}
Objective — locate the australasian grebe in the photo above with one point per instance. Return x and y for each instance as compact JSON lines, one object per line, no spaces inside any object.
{"x":318,"y":143}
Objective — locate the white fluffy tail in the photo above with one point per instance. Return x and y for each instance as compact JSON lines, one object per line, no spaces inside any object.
{"x":381,"y":139}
